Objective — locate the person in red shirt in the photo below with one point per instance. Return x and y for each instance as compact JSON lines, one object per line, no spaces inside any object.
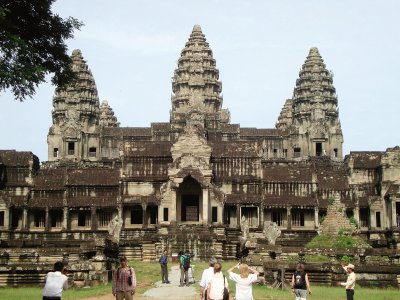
{"x":124,"y":281}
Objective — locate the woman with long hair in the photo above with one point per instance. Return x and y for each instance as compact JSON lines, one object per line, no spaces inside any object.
{"x":244,"y":281}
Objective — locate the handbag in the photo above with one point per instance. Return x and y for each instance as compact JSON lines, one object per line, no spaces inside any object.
{"x":226,"y":292}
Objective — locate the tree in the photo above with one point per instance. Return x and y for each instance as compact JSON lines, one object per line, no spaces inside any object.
{"x":32,"y":45}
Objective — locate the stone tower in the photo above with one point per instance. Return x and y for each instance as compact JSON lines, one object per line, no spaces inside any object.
{"x":315,"y":128}
{"x":196,"y":89}
{"x":74,"y":134}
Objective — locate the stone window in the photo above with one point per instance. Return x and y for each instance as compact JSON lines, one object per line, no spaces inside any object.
{"x":16,"y":218}
{"x":296,"y":152}
{"x":275,"y":153}
{"x":230,"y":216}
{"x":214,"y":214}
{"x":318,"y":149}
{"x":104,"y":218}
{"x":285,"y":153}
{"x":71,"y":148}
{"x":278,"y":216}
{"x":364,"y":217}
{"x":84,"y":218}
{"x":39,"y":218}
{"x":152,"y":214}
{"x":165,"y":213}
{"x":378,"y":219}
{"x":55,"y":152}
{"x":137,"y":214}
{"x":2,"y":213}
{"x":251,"y":215}
{"x":297,"y":218}
{"x":335,"y":152}
{"x":56,"y":217}
{"x":92,"y":152}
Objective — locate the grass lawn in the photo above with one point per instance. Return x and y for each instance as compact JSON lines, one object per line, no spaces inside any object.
{"x":149,"y":272}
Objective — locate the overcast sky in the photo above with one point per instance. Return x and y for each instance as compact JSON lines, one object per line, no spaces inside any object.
{"x":132,"y":48}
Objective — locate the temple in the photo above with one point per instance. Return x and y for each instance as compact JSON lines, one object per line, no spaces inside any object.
{"x":187,"y":183}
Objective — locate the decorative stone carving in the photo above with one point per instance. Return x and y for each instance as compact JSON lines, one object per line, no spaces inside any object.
{"x":244,"y":228}
{"x":114,"y":228}
{"x":271,"y":232}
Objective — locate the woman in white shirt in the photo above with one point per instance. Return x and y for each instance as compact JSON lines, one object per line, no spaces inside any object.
{"x":217,"y":284}
{"x":244,"y":281}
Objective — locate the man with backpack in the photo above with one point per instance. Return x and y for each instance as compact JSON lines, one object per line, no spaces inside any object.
{"x":300,"y":283}
{"x":124,"y":281}
{"x":164,"y":267}
{"x":184,"y":265}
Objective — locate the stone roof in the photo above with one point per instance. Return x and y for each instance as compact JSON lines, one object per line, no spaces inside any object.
{"x":336,"y":180}
{"x":286,"y":173}
{"x":93,"y":177}
{"x":233,"y":149}
{"x":394,"y":189}
{"x":147,"y":148}
{"x":252,"y":131}
{"x":160,"y":127}
{"x":127,"y":131}
{"x":230,"y":128}
{"x":50,"y":179}
{"x":365,"y":160}
{"x":107,"y":117}
{"x":98,"y":201}
{"x":12,"y":158}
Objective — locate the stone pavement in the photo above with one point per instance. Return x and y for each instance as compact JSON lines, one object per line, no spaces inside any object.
{"x":163,"y":291}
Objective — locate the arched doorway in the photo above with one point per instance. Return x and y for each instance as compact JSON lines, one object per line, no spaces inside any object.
{"x":189,"y":200}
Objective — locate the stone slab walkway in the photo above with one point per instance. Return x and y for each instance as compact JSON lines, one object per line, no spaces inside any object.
{"x":163,"y":291}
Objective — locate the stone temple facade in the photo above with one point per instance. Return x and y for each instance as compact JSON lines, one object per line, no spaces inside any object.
{"x":187,"y":183}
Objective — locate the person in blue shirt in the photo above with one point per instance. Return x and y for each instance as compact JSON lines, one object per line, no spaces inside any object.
{"x":164,"y":267}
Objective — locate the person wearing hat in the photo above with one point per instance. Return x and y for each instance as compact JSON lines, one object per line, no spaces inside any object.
{"x":124,"y":281}
{"x":206,"y":277}
{"x":351,"y":281}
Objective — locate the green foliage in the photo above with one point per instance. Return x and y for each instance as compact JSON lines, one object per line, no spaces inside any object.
{"x":32,"y":45}
{"x":321,"y":219}
{"x":340,"y":209}
{"x":331,"y":200}
{"x":354,"y":222}
{"x":316,"y":258}
{"x":345,"y":258}
{"x":335,"y":242}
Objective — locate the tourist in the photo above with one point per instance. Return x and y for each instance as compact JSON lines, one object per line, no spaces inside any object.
{"x":124,"y":281}
{"x":351,"y":281}
{"x":56,"y":282}
{"x":218,"y":288}
{"x":244,"y":281}
{"x":184,"y":265}
{"x":300,"y":283}
{"x":164,"y":267}
{"x":206,"y":277}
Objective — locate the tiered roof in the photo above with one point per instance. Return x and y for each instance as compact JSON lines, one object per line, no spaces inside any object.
{"x":107,"y":117}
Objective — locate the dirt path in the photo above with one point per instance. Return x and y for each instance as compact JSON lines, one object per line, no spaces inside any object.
{"x":163,"y":291}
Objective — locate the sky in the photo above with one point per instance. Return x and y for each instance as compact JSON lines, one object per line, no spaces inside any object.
{"x":132,"y":48}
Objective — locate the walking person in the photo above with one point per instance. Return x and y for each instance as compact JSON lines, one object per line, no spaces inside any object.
{"x":124,"y":281}
{"x":300,"y":283}
{"x":244,"y":281}
{"x":56,"y":282}
{"x":206,"y":277}
{"x":184,"y":265}
{"x":164,"y":267}
{"x":218,"y":288}
{"x":351,"y":281}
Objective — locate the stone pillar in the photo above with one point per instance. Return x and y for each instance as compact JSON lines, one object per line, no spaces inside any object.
{"x":316,"y":217}
{"x":160,"y":214}
{"x":394,"y":215}
{"x":173,"y":206}
{"x":93,"y":218}
{"x":205,"y":206}
{"x":372,"y":223}
{"x":7,"y":218}
{"x":357,"y":214}
{"x":289,"y":217}
{"x":237,"y":215}
{"x":220,"y":215}
{"x":65,"y":218}
{"x":47,"y":220}
{"x":25,"y":219}
{"x":145,"y":219}
{"x":261,"y":216}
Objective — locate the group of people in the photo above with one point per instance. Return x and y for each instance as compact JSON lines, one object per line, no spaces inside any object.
{"x":213,"y":283}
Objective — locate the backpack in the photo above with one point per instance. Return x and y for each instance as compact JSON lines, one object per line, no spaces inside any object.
{"x":186,"y":262}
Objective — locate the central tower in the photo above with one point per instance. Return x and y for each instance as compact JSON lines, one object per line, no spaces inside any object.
{"x":196,"y":87}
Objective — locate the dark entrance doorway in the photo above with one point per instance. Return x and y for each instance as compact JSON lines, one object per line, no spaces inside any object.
{"x":318,"y":149}
{"x":190,"y":208}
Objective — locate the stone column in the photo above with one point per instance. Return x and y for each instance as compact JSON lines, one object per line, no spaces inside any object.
{"x":65,"y":218}
{"x":261,"y":223}
{"x":173,"y":206}
{"x":316,"y":217}
{"x":394,"y":215}
{"x":220,"y":216}
{"x":237,"y":215}
{"x":289,"y":217}
{"x":145,"y":220}
{"x":160,"y":214}
{"x":93,"y":217}
{"x":47,"y":220}
{"x":372,"y":220}
{"x":25,"y":219}
{"x":357,"y":214}
{"x":205,"y":206}
{"x":7,"y":218}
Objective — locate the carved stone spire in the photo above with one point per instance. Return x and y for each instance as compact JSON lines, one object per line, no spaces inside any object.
{"x":195,"y":83}
{"x":315,"y":128}
{"x":314,"y":96}
{"x":107,"y":117}
{"x":80,"y":99}
{"x":285,"y":118}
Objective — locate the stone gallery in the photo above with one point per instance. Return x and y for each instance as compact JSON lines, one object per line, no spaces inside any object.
{"x":188,"y":183}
